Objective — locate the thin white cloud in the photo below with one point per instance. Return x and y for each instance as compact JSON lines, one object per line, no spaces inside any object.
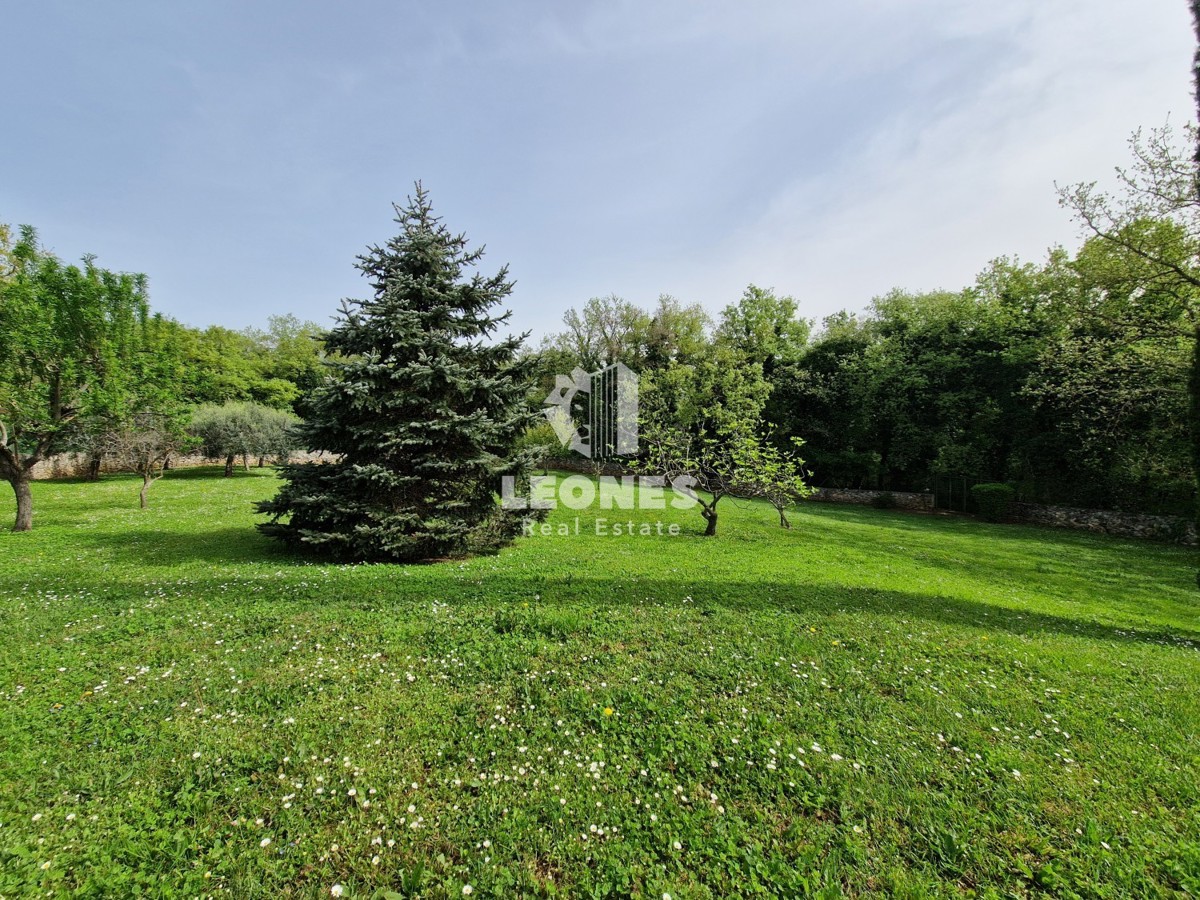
{"x":937,"y":192}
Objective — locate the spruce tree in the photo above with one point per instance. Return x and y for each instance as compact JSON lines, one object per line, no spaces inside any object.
{"x":420,"y":415}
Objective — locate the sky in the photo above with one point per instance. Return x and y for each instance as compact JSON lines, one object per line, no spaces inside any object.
{"x":242,"y":154}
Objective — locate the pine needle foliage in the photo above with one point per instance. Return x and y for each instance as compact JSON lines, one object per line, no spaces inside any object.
{"x":420,"y":414}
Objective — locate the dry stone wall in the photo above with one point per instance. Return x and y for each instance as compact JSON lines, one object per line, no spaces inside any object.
{"x":899,"y":499}
{"x":76,"y":465}
{"x":1121,"y":524}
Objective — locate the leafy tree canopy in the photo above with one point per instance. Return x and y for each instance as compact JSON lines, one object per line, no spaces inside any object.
{"x":69,"y":336}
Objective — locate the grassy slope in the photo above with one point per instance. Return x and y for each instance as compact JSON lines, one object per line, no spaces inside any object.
{"x":842,"y":708}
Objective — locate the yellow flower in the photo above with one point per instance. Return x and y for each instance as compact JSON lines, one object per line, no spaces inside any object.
{"x":608,"y":710}
{"x":835,"y":643}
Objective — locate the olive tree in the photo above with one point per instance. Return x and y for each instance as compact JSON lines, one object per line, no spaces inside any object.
{"x":243,"y":429}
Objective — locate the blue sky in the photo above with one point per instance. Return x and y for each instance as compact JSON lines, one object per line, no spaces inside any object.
{"x":242,"y":153}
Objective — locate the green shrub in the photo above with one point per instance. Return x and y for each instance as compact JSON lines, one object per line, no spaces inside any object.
{"x":243,"y":429}
{"x":884,"y":500}
{"x":541,"y":438}
{"x":993,"y":501}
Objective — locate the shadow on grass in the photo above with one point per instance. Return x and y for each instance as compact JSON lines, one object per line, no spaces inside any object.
{"x":805,"y":601}
{"x":961,"y":612}
{"x":1013,"y":553}
{"x":933,"y":544}
{"x":377,"y":586}
{"x":215,"y":546}
{"x":957,"y":523}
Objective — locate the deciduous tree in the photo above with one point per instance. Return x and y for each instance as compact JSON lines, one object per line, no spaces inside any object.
{"x":68,"y":335}
{"x":1149,"y":230}
{"x":765,"y":471}
{"x":145,"y":443}
{"x":765,"y":328}
{"x":695,"y":420}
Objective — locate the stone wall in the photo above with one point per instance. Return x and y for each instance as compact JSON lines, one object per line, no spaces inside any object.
{"x":65,"y":465}
{"x":1121,"y":524}
{"x":900,"y":499}
{"x":75,"y":465}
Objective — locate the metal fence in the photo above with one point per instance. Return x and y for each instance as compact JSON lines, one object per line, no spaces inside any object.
{"x":953,"y":492}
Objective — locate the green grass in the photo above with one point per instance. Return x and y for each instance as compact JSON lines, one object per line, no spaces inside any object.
{"x":839,"y":709}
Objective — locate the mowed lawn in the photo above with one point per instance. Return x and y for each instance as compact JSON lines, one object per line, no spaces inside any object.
{"x":870,"y":704}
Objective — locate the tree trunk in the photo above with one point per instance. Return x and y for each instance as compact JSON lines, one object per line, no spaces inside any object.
{"x":1194,"y":415}
{"x":262,"y":461}
{"x":145,"y":487}
{"x":20,"y":485}
{"x":783,"y":522}
{"x":93,"y":473}
{"x":229,"y":466}
{"x":710,"y":516}
{"x":246,"y":461}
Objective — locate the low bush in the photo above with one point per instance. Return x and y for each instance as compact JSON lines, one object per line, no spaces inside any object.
{"x":993,"y":502}
{"x":541,"y":438}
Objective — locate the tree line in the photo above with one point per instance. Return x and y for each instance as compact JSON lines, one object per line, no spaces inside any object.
{"x":1075,"y":379}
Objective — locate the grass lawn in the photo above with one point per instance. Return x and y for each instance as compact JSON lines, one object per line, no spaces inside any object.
{"x":873,"y":703}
